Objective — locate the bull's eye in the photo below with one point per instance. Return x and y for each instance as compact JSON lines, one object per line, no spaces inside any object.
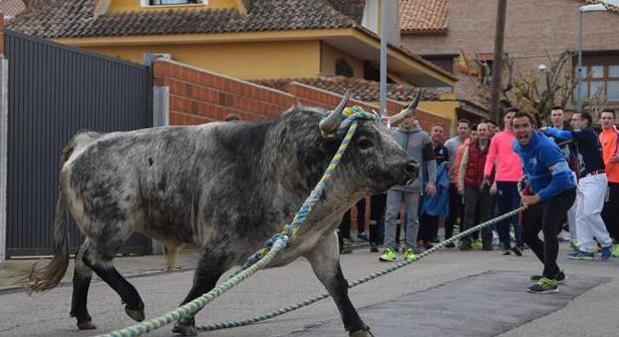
{"x":365,"y":143}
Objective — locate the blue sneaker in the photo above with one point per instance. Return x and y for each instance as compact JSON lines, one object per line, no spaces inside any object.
{"x":606,"y":253}
{"x":363,"y":236}
{"x":580,"y":255}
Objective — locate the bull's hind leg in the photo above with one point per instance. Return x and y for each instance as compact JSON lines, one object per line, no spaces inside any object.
{"x":98,"y":257}
{"x":81,"y":282}
{"x":214,"y":261}
{"x":324,"y":258}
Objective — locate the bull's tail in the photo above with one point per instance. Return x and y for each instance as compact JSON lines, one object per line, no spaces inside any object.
{"x":48,"y":277}
{"x":40,"y":279}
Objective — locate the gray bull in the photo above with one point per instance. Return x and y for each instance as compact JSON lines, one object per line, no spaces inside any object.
{"x":225,"y":187}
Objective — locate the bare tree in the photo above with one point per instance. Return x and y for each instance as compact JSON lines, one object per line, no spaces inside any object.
{"x":596,"y":103}
{"x":535,"y":91}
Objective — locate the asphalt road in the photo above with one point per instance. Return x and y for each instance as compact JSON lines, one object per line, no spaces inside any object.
{"x":450,"y":293}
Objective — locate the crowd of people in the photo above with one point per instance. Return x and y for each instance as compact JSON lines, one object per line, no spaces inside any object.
{"x":485,"y":171}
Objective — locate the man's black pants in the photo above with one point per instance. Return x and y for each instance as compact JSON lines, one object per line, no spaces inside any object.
{"x":610,"y":214}
{"x":456,"y":210}
{"x":477,"y":208}
{"x":547,"y":216}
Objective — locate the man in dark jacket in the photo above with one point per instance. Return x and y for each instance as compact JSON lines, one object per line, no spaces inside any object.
{"x":428,"y":222}
{"x":591,"y":187}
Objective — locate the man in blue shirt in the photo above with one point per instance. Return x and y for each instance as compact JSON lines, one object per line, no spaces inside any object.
{"x":591,"y":187}
{"x":551,"y":193}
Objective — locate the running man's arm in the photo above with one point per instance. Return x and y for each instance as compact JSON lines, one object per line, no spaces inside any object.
{"x":562,"y":177}
{"x":560,"y":135}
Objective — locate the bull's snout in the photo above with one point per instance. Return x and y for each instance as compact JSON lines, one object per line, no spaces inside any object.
{"x":412,"y":171}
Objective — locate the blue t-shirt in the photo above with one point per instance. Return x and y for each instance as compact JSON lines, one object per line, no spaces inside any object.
{"x":547,"y":170}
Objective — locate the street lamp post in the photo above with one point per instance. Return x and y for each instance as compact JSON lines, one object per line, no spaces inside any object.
{"x":581,"y":11}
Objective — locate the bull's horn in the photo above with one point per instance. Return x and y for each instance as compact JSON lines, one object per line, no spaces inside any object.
{"x":331,"y":122}
{"x":399,"y":117}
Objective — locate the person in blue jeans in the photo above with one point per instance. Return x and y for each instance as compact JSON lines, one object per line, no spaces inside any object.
{"x":550,"y":193}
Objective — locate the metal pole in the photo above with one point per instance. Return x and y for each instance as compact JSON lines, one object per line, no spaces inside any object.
{"x":580,"y":75}
{"x":383,"y":58}
{"x":497,"y":67}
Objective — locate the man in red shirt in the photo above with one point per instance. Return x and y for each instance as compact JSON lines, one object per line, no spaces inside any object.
{"x":477,"y":204}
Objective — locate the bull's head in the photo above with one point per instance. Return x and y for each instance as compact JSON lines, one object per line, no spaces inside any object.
{"x":374,"y":157}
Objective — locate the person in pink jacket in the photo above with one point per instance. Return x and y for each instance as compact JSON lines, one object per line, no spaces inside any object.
{"x":508,"y":170}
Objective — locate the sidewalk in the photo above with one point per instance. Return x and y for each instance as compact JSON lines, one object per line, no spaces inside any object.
{"x":129,"y":266}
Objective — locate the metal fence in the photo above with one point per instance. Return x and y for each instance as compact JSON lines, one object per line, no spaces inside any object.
{"x":55,"y":91}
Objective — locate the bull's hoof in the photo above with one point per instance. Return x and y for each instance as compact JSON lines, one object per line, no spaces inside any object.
{"x":185,"y":329}
{"x":361,"y":333}
{"x":87,"y":325}
{"x":136,"y":314}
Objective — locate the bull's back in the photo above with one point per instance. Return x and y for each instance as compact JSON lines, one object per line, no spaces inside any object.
{"x":132,"y":181}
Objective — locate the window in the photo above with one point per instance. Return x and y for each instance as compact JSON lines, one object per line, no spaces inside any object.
{"x":446,"y":62}
{"x":173,"y":2}
{"x":343,"y":68}
{"x":600,"y":75}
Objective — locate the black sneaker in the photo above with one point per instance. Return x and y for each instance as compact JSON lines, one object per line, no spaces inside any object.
{"x":516,"y":251}
{"x":560,"y":277}
{"x":487,"y":247}
{"x":544,"y":286}
{"x":450,"y":245}
{"x":373,"y":248}
{"x":465,"y":245}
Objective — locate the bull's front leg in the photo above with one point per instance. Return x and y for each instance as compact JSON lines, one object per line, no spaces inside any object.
{"x":213,"y":263}
{"x":325,"y":261}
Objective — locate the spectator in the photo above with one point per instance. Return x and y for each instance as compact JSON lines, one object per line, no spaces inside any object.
{"x":418,"y":145}
{"x":508,"y":172}
{"x":610,"y":150}
{"x":492,"y":128}
{"x":361,"y":234}
{"x":570,"y":152}
{"x":437,"y":205}
{"x":591,"y":187}
{"x":455,"y":200}
{"x":343,"y":234}
{"x":476,"y":194}
{"x":377,"y":220}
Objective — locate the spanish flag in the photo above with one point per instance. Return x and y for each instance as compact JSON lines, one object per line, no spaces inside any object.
{"x":463,"y":63}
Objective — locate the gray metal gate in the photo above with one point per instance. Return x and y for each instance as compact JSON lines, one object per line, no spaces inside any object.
{"x":55,"y":91}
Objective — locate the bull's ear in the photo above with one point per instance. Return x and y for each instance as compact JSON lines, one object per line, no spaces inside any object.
{"x":410,"y":109}
{"x":332,"y":121}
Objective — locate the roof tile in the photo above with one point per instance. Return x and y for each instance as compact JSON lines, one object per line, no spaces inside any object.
{"x":11,"y":7}
{"x":74,"y":18}
{"x":423,"y":16}
{"x":362,"y":90}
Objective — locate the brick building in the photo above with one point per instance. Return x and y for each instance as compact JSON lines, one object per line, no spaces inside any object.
{"x":441,"y":30}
